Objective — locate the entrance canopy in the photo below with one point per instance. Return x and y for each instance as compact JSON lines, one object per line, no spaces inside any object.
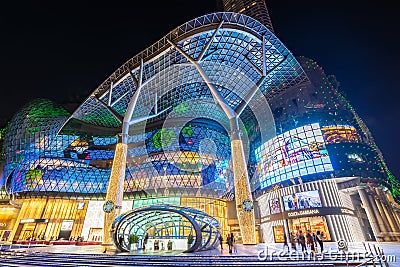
{"x":167,"y":223}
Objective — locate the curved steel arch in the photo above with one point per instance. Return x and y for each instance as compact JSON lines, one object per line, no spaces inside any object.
{"x":130,"y":222}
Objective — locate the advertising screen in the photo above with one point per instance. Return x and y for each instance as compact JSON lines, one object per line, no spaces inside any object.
{"x":295,"y":153}
{"x":274,"y":206}
{"x":302,"y":200}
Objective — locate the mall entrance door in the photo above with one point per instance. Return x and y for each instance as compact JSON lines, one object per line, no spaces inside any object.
{"x":316,"y":223}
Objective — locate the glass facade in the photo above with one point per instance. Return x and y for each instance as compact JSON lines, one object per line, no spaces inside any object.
{"x":295,"y":124}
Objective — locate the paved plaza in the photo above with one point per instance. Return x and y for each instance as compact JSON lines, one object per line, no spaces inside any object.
{"x":257,"y":255}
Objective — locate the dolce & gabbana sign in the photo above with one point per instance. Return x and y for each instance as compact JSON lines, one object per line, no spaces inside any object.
{"x":308,"y":213}
{"x":301,"y":213}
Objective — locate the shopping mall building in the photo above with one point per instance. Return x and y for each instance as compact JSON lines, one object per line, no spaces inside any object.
{"x":311,"y":162}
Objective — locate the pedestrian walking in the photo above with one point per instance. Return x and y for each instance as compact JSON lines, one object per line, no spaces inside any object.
{"x":221,"y":240}
{"x":310,"y":241}
{"x":302,"y":241}
{"x":230,"y":242}
{"x":320,"y":240}
{"x":292,"y":239}
{"x":233,"y":243}
{"x":285,"y":242}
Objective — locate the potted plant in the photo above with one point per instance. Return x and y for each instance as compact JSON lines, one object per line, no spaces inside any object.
{"x":169,"y":245}
{"x":133,"y":242}
{"x":190,"y":240}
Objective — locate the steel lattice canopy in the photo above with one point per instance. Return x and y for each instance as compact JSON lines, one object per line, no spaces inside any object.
{"x":233,"y":59}
{"x":167,"y":222}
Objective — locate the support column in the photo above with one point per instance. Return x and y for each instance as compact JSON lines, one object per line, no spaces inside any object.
{"x":370,"y":213}
{"x":381,"y":223}
{"x":388,"y":210}
{"x":246,"y":217}
{"x":384,"y":215}
{"x":115,"y":190}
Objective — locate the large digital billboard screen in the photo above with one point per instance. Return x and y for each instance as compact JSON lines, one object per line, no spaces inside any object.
{"x":302,"y":200}
{"x":295,"y":153}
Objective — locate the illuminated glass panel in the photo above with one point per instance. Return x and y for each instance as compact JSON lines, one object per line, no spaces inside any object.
{"x":156,"y":201}
{"x":295,"y":153}
{"x":341,"y":134}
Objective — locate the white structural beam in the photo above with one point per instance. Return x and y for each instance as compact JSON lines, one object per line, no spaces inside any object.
{"x":205,"y":48}
{"x":110,"y":94}
{"x":214,"y":91}
{"x":115,"y":188}
{"x":253,"y":90}
{"x":132,"y":105}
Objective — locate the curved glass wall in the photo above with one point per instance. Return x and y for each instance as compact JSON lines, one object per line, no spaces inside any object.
{"x":168,"y":226}
{"x":183,"y":147}
{"x":193,"y":158}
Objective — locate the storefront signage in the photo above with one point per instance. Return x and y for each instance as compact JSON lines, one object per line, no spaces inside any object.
{"x":3,"y":224}
{"x":308,"y":213}
{"x":301,"y":213}
{"x":34,"y":220}
{"x":28,"y":221}
{"x":347,"y":211}
{"x":81,"y":205}
{"x":66,"y":225}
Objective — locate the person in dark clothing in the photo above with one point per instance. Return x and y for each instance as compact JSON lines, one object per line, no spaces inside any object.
{"x":146,"y":237}
{"x":233,"y":243}
{"x":285,"y":242}
{"x":221,"y":240}
{"x":292,"y":239}
{"x":320,"y":238}
{"x":310,"y":240}
{"x":315,"y":239}
{"x":229,"y":241}
{"x":302,"y":241}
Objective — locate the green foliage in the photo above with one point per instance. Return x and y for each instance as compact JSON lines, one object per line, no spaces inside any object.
{"x":180,"y":109}
{"x":188,"y":130}
{"x":395,"y":184}
{"x":133,"y":239}
{"x":190,"y":239}
{"x":163,"y":138}
{"x":33,"y":174}
{"x":43,"y":108}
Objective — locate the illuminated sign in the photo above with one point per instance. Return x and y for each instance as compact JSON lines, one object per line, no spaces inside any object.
{"x":295,"y":153}
{"x":81,"y":205}
{"x":28,"y":221}
{"x":347,"y":211}
{"x":302,"y":200}
{"x":34,"y":221}
{"x":302,"y":213}
{"x":274,"y":206}
{"x":308,"y":213}
{"x":66,"y":225}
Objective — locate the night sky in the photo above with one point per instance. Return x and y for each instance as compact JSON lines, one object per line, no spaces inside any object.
{"x":62,"y":50}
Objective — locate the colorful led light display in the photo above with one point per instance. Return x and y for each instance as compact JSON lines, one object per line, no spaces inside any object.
{"x":295,"y":153}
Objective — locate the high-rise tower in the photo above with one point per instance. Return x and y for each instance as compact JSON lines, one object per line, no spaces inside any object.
{"x":253,"y":8}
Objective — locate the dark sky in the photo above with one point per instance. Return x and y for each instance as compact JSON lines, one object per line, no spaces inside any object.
{"x":65,"y":49}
